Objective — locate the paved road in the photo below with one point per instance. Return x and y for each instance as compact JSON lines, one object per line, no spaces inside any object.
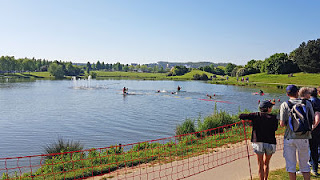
{"x":227,"y":162}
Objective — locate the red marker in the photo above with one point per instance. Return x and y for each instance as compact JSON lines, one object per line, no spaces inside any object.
{"x":214,"y":94}
{"x":278,"y":100}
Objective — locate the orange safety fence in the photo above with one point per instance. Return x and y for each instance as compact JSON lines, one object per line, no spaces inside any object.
{"x":174,"y":157}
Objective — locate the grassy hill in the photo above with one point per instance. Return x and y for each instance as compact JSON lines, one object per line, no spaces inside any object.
{"x":307,"y":79}
{"x":189,"y":75}
{"x":263,"y":79}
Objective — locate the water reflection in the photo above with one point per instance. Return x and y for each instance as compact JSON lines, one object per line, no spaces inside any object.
{"x":11,"y":82}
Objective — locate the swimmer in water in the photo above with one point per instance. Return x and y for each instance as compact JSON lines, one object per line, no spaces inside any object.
{"x":179,"y":88}
{"x":125,"y":90}
{"x":261,"y":92}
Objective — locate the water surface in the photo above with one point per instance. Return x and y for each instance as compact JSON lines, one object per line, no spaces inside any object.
{"x":96,"y":113}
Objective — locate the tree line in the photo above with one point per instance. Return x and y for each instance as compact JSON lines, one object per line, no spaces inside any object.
{"x":305,"y":58}
{"x":59,"y":69}
{"x":123,"y":67}
{"x":8,"y":64}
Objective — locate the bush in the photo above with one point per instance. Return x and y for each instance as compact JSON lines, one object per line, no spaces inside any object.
{"x":62,"y":145}
{"x":200,"y":77}
{"x":56,"y":70}
{"x":217,"y":119}
{"x":93,"y":74}
{"x":186,"y":127}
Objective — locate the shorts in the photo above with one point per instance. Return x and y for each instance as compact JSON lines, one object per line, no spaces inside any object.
{"x":263,"y":148}
{"x":290,"y":148}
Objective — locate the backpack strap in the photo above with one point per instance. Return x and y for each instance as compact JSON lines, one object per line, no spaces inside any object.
{"x":290,"y":104}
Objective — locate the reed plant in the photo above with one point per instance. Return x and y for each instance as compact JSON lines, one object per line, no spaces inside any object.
{"x":62,"y":145}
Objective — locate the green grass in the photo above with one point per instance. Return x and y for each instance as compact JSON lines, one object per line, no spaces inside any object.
{"x":303,"y":79}
{"x":259,"y":80}
{"x":36,"y":75}
{"x":146,"y":76}
{"x":272,"y":80}
{"x":189,"y":75}
{"x":32,"y":75}
{"x":281,"y":174}
{"x":133,"y":75}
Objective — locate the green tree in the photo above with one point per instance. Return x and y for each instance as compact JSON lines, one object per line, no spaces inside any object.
{"x":155,"y":69}
{"x":208,"y":69}
{"x":144,"y":68}
{"x":107,"y":67}
{"x":117,"y":66}
{"x":126,"y":68}
{"x":229,"y":67}
{"x":88,"y":67}
{"x":56,"y":70}
{"x":179,"y":70}
{"x":103,"y":66}
{"x":70,"y":70}
{"x":98,"y":65}
{"x":28,"y":65}
{"x":307,"y":56}
{"x":131,"y":68}
{"x":219,"y":71}
{"x":279,"y":63}
{"x":161,"y":70}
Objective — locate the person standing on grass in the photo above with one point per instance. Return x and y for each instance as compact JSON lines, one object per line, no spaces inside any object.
{"x":315,"y":101}
{"x":263,"y":137}
{"x":295,"y":141}
{"x":315,"y":133}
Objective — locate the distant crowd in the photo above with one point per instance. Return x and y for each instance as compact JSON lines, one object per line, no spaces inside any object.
{"x":300,"y":116}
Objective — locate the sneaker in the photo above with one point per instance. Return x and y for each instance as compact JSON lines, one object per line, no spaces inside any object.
{"x":314,"y":173}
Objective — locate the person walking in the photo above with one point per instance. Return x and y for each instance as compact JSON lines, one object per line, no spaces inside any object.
{"x":263,"y":137}
{"x":294,"y":139}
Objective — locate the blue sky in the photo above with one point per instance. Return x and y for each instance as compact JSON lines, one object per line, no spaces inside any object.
{"x":146,"y":31}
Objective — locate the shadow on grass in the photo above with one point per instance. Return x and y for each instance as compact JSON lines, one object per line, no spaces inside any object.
{"x":31,"y":75}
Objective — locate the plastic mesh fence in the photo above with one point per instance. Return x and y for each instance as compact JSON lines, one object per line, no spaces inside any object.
{"x":174,"y":157}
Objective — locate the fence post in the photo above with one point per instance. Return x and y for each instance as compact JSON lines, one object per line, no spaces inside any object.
{"x":245,"y":138}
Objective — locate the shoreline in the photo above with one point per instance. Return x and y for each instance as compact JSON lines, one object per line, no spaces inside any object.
{"x":256,"y":80}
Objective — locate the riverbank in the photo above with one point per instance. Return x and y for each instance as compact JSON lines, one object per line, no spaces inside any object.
{"x":114,"y":74}
{"x":148,"y":76}
{"x":255,"y":80}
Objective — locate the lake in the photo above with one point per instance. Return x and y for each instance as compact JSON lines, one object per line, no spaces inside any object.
{"x":94,"y":112}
